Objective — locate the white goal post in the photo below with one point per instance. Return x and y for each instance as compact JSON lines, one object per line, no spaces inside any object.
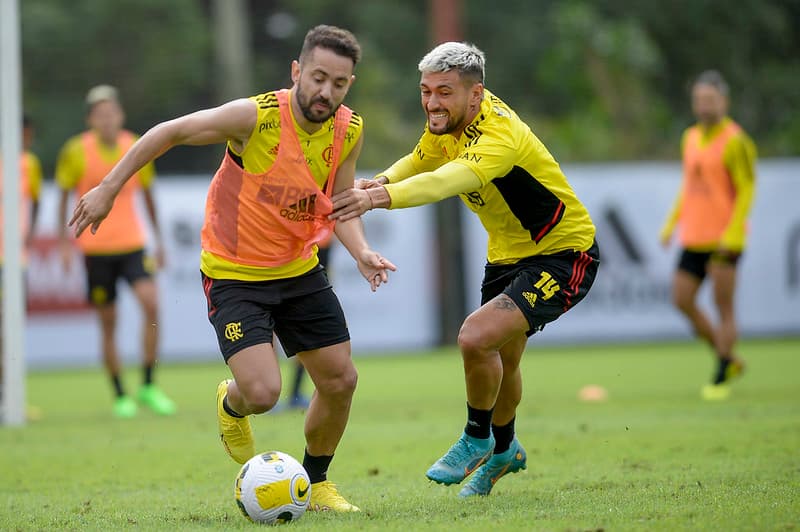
{"x":13,"y":308}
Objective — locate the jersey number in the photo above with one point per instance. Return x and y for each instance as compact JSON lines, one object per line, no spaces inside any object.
{"x":547,"y":285}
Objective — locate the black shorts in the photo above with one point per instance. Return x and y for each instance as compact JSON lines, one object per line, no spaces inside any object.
{"x":544,"y":286}
{"x":303,"y":311}
{"x":696,"y":262}
{"x":103,"y":272}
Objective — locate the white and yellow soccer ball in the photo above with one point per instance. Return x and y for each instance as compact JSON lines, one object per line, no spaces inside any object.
{"x":272,"y":487}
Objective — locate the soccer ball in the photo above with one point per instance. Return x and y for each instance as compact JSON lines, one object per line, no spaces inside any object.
{"x":272,"y":488}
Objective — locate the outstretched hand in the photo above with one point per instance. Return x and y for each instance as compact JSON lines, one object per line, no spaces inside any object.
{"x":374,"y":268}
{"x":91,"y":210}
{"x":364,"y":184}
{"x":350,"y":203}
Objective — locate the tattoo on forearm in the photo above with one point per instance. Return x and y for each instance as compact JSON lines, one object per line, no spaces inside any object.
{"x":503,"y":302}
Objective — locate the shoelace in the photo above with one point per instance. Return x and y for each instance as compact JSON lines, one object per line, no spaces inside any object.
{"x":462,"y":450}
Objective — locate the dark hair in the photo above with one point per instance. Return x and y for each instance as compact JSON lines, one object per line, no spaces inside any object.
{"x":715,"y":79}
{"x":338,"y":40}
{"x":27,"y":121}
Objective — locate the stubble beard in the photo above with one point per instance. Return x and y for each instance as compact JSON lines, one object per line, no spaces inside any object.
{"x":305,"y":107}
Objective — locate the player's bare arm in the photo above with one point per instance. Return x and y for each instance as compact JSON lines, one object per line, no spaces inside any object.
{"x":375,"y":182}
{"x":233,"y":121}
{"x":152,"y":213}
{"x":350,"y":233}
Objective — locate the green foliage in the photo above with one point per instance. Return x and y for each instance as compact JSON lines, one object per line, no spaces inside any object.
{"x":156,"y":53}
{"x":654,"y":456}
{"x":599,"y":80}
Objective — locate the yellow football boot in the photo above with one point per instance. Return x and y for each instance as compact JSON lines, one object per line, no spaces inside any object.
{"x":235,"y":433}
{"x":721,"y":391}
{"x":325,"y":496}
{"x":734,"y":369}
{"x":716,"y":392}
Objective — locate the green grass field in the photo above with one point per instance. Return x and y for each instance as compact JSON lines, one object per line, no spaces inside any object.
{"x":654,"y":456}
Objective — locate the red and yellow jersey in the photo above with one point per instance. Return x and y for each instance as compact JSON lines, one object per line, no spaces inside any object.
{"x":522,"y":197}
{"x":83,"y":162}
{"x":316,"y":153}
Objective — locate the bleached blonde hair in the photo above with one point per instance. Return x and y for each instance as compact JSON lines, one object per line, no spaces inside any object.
{"x":463,"y":57}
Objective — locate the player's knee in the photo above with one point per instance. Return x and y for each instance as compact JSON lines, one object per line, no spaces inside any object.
{"x":260,"y":397}
{"x":343,"y":384}
{"x":470,"y":340}
{"x":683,"y":303}
{"x":150,"y":312}
{"x":724,"y":301}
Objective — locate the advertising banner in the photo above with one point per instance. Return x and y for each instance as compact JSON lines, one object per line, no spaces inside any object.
{"x":630,"y":299}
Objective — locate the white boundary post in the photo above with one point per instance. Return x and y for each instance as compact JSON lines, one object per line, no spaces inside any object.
{"x":13,"y":308}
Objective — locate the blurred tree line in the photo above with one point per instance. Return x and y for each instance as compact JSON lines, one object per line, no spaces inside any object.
{"x":597,"y":80}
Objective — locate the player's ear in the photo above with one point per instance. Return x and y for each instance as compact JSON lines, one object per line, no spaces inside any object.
{"x":295,"y":71}
{"x":477,"y":93}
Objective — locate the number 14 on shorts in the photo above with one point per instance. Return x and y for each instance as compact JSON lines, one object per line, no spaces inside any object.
{"x":547,"y":286}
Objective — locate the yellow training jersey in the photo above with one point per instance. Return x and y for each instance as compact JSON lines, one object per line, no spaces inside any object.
{"x":524,"y":200}
{"x":33,"y":177}
{"x":257,"y":157}
{"x":71,"y":164}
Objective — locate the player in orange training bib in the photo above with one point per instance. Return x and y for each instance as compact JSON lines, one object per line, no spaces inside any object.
{"x":710,"y":213}
{"x":288,"y":152}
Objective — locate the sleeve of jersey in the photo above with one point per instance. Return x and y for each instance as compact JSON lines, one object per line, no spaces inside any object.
{"x":70,"y":164}
{"x":34,"y":177}
{"x":426,"y":157}
{"x":674,"y":214}
{"x":430,"y":187}
{"x":492,"y":156}
{"x":672,"y":219}
{"x":400,"y":170}
{"x":740,"y":156}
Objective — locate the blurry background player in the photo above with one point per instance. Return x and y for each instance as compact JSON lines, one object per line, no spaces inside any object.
{"x":711,"y":210}
{"x":116,"y":251}
{"x":30,"y":175}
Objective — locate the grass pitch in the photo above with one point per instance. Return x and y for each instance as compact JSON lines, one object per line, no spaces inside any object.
{"x":653,"y":456}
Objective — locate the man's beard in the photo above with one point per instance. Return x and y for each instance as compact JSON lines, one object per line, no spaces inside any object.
{"x":305,"y":107}
{"x":451,"y":125}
